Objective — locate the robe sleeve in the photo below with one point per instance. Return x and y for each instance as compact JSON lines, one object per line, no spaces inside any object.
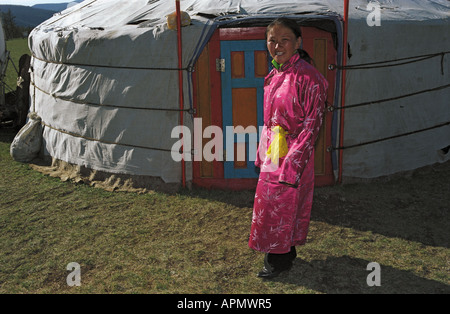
{"x":302,"y":146}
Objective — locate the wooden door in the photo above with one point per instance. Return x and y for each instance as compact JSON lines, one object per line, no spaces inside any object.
{"x":319,"y":45}
{"x":234,"y":97}
{"x":245,"y":65}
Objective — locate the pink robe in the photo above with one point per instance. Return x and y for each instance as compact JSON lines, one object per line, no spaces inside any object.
{"x":294,"y":98}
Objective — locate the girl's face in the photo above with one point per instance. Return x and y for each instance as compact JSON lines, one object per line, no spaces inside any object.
{"x":282,"y":43}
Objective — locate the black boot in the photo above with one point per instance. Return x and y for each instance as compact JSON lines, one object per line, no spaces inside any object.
{"x":292,"y":253}
{"x":274,"y":264}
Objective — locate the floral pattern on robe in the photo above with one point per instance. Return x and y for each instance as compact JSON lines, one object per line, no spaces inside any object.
{"x":294,"y":98}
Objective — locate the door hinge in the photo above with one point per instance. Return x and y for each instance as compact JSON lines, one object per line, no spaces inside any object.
{"x":220,"y":65}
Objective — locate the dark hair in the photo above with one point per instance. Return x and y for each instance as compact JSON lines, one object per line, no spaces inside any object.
{"x":295,"y":28}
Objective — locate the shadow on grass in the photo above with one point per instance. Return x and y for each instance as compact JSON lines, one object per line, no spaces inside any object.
{"x":414,"y":208}
{"x":348,"y":275}
{"x":7,"y":134}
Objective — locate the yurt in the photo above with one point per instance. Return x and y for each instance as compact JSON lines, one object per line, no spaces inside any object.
{"x":122,"y":91}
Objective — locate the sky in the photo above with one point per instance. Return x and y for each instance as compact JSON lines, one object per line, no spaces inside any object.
{"x":31,"y":2}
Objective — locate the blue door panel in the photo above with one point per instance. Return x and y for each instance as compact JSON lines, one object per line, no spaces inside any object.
{"x":249,"y":81}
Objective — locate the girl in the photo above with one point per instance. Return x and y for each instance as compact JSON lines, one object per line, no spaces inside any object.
{"x":294,"y":102}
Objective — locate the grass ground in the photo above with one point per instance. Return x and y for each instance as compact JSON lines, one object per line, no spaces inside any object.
{"x":195,"y":241}
{"x":17,"y":48}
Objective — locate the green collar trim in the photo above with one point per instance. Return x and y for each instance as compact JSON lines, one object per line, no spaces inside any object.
{"x":276,"y":64}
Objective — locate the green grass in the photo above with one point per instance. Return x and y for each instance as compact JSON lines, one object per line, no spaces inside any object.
{"x":17,"y":48}
{"x":196,"y":241}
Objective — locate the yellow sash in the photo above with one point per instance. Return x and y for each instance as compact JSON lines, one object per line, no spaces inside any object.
{"x":278,"y":148}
